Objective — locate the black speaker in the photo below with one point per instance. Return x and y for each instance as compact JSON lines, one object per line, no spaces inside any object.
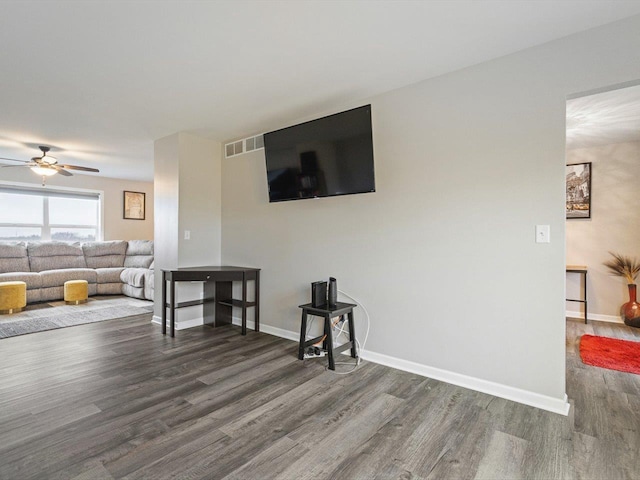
{"x":333,"y":292}
{"x":319,"y":294}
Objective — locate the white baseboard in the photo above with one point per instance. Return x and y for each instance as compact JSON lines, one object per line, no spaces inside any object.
{"x":595,"y":316}
{"x":526,"y":397}
{"x":275,"y":331}
{"x":194,"y":322}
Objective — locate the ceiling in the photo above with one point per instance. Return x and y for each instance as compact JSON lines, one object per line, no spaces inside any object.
{"x":604,"y":118}
{"x":100,"y":81}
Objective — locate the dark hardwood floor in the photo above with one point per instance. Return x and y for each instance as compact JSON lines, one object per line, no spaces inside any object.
{"x":117,"y":399}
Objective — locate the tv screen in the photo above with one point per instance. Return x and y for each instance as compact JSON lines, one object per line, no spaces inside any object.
{"x":325,"y":157}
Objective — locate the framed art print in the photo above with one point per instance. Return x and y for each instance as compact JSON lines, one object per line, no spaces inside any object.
{"x":133,"y":205}
{"x":579,"y":190}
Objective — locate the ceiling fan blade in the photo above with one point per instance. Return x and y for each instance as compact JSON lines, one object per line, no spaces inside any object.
{"x":77,"y":167}
{"x":14,"y":160}
{"x":61,"y":170}
{"x":3,"y":166}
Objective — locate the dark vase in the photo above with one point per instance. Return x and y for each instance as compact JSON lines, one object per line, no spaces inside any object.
{"x":631,"y":309}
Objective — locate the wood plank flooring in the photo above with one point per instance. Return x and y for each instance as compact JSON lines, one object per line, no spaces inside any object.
{"x":117,"y":399}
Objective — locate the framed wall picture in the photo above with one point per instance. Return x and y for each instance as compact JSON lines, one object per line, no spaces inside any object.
{"x":579,"y":190}
{"x":133,"y":205}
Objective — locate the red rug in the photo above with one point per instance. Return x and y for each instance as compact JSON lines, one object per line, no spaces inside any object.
{"x":611,"y":353}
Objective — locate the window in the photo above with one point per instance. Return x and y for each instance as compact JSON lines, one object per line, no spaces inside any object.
{"x":68,"y":215}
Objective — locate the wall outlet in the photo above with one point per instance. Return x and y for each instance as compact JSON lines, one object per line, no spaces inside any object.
{"x":187,"y":234}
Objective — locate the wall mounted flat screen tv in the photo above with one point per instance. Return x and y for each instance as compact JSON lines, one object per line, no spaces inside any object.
{"x":322,"y":158}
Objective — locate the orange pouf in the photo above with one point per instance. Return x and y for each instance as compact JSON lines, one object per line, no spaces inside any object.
{"x":611,"y":353}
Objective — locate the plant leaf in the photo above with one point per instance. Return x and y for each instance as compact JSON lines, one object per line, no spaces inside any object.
{"x":623,"y":266}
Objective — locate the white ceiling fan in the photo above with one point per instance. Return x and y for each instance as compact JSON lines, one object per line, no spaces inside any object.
{"x":46,"y":165}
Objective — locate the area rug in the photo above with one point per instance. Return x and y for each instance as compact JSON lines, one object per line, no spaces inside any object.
{"x":48,"y":316}
{"x":611,"y":353}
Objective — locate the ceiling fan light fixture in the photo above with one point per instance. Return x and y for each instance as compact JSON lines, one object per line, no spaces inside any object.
{"x":44,"y":171}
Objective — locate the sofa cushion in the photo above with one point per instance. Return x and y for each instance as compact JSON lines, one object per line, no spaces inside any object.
{"x":139,"y":254}
{"x":133,"y":276}
{"x":149,"y":285}
{"x":109,"y":275}
{"x":56,"y":278}
{"x":109,"y":288}
{"x":133,"y":292}
{"x":55,"y":256}
{"x":32,"y":279}
{"x":13,"y":257}
{"x":104,"y":254}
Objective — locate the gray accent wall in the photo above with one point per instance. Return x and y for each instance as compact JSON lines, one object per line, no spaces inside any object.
{"x":443,"y":254}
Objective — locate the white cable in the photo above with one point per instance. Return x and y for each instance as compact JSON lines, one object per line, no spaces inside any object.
{"x":306,"y":334}
{"x":366,"y":336}
{"x":359,"y":348}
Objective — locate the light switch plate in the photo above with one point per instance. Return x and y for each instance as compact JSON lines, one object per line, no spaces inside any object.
{"x":543,"y":234}
{"x":187,"y":234}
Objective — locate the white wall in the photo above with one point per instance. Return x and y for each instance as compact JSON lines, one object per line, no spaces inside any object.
{"x":614,"y":226}
{"x":200,"y":201}
{"x":166,"y":179}
{"x":187,"y":176}
{"x":443,"y":254}
{"x":115,"y":227}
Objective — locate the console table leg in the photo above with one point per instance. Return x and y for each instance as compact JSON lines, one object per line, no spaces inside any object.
{"x":303,"y":335}
{"x":257,"y":307}
{"x":329,"y":341}
{"x":585,"y":298}
{"x":164,"y":303}
{"x":352,"y":335}
{"x":244,"y":303}
{"x":172,"y":307}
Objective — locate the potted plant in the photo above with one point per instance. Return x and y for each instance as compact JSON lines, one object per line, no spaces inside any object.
{"x":628,"y":268}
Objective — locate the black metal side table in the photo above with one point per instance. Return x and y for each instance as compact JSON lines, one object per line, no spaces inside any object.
{"x":327,"y":312}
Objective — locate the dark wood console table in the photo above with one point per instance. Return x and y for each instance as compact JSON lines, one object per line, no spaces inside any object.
{"x":217,"y":301}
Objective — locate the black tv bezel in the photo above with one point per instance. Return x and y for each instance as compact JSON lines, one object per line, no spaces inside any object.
{"x":373,"y":165}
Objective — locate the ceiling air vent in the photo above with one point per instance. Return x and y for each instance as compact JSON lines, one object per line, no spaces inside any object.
{"x":242,"y":146}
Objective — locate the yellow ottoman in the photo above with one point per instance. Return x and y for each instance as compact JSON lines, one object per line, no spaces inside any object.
{"x":76,"y":291}
{"x":13,"y":297}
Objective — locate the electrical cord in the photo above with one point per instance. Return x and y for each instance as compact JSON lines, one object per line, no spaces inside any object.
{"x":366,"y":313}
{"x":359,"y":347}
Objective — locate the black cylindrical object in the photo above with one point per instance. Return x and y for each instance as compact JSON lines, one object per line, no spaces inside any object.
{"x":333,"y":292}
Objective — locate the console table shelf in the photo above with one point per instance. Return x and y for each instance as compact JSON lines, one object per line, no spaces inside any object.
{"x":191,"y":303}
{"x":236,"y":303}
{"x":217,"y":290}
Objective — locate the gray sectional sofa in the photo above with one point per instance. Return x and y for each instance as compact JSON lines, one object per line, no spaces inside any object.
{"x":111,"y":268}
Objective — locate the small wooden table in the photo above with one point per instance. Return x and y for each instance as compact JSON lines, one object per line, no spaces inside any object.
{"x":327,"y":312}
{"x":581,"y":269}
